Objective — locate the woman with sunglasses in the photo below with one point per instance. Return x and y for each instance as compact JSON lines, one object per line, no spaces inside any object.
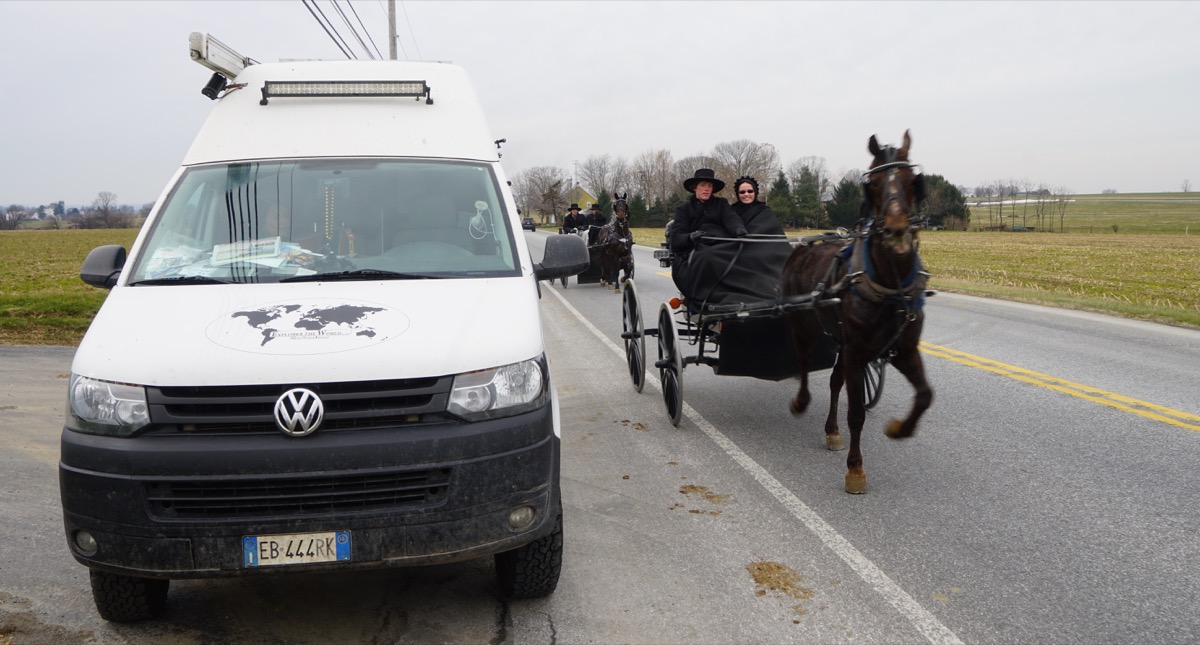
{"x":755,"y":266}
{"x":758,"y":219}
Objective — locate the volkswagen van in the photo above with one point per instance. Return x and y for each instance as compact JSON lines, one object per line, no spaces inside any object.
{"x":323,"y":351}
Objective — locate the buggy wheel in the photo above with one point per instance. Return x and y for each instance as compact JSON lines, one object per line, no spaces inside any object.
{"x":670,"y":364}
{"x":633,"y":332}
{"x":126,"y":599}
{"x":873,"y":382}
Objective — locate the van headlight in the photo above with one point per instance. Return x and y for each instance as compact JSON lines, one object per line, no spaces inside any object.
{"x":500,"y":391}
{"x":103,"y":407}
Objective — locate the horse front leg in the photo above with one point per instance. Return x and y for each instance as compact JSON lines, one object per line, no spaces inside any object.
{"x":801,"y":342}
{"x":833,"y":437}
{"x":913,"y":368}
{"x":799,"y":403}
{"x":856,"y":414}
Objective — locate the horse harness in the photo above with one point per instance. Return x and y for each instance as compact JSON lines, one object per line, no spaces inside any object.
{"x":860,"y":276}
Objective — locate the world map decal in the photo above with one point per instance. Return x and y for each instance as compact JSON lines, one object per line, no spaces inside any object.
{"x":307,"y":327}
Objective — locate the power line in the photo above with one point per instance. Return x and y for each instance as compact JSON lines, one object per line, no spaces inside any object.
{"x":353,"y":31}
{"x":410,"y":31}
{"x":326,"y":25}
{"x":364,"y":28}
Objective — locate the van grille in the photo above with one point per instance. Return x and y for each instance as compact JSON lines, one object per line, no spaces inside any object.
{"x":244,"y":409}
{"x":228,"y":498}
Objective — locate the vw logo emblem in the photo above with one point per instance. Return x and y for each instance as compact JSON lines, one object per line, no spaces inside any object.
{"x":299,"y":412}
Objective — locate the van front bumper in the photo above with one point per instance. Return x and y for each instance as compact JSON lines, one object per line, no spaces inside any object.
{"x":179,"y":507}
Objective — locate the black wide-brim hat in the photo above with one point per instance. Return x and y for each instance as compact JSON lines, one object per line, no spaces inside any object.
{"x":573,"y":207}
{"x":703,"y":174}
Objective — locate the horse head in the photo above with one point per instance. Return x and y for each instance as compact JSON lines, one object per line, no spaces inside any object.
{"x":893,"y":190}
{"x":620,"y":206}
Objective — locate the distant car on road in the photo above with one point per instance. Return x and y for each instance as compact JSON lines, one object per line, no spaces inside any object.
{"x":528,"y":223}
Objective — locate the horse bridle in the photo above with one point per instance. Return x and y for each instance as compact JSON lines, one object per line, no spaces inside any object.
{"x":893,"y":193}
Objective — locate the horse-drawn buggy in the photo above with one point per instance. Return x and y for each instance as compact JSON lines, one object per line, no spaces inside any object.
{"x":850,"y":301}
{"x":610,"y":247}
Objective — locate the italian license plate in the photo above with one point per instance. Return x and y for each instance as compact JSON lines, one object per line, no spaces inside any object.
{"x":296,"y":548}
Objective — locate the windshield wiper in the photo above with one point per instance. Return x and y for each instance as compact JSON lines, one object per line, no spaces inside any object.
{"x":180,"y":279}
{"x":360,"y":274}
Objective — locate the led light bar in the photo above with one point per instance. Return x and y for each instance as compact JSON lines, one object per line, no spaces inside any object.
{"x":216,"y":55}
{"x":416,"y":89}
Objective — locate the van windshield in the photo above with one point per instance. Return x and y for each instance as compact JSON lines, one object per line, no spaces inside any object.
{"x":342,"y":219}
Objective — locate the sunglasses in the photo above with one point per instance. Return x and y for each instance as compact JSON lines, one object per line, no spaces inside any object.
{"x":745,"y":192}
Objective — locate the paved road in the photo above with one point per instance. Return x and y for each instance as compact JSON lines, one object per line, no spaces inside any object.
{"x":1027,"y":509}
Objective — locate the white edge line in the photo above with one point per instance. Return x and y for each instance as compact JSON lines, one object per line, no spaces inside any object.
{"x":920,"y":618}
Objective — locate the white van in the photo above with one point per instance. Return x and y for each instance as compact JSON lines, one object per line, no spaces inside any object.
{"x":324,"y":351}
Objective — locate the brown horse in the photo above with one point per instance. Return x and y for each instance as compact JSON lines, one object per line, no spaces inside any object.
{"x":881,"y":283}
{"x":616,"y":246}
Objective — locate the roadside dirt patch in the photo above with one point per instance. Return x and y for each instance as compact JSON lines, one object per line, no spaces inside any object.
{"x":772,"y":577}
{"x":702,"y":492}
{"x":693,"y":491}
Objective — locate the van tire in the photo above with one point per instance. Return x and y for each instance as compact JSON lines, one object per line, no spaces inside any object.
{"x":126,"y":599}
{"x":532,"y":571}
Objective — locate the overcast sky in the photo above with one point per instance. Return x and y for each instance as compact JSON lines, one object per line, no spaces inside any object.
{"x":101,"y":96}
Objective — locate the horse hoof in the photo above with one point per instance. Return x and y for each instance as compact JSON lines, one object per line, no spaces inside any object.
{"x":795,"y":408}
{"x":856,"y":484}
{"x":894,"y":430}
{"x":834,"y":442}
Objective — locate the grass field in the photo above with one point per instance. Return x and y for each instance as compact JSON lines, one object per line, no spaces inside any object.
{"x":1148,"y":269}
{"x":42,"y":299}
{"x":1141,"y":214}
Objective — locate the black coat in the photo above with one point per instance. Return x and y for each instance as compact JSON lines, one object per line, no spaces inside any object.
{"x":714,"y":217}
{"x":758,"y":219}
{"x":571,"y":222}
{"x":728,"y":272}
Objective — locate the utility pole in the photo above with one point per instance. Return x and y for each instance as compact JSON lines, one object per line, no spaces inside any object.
{"x":392,"y":29}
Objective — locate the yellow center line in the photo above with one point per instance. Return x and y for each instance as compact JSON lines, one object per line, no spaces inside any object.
{"x":1086,"y":392}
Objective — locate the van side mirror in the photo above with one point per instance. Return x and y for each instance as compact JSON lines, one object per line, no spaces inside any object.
{"x":565,"y":255}
{"x":103,"y":266}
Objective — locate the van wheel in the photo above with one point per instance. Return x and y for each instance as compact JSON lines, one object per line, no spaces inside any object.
{"x":532,"y":571}
{"x":126,"y":599}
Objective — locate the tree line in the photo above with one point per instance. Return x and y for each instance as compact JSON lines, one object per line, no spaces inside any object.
{"x":802,"y":193}
{"x":104,"y":212}
{"x":1035,"y":206}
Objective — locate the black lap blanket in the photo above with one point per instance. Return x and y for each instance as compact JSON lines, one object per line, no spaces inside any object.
{"x":726,"y":272}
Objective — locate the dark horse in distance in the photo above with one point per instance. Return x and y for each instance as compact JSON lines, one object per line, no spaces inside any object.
{"x":880,"y":280}
{"x":616,"y":246}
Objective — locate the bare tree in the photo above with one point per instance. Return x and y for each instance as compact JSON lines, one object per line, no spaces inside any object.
{"x":622,"y":176}
{"x":595,"y":173}
{"x":654,"y":175}
{"x":104,"y":213}
{"x":733,"y":159}
{"x":1062,"y":198}
{"x":12,"y":217}
{"x":1186,"y":186}
{"x":1023,"y":187}
{"x":540,"y":189}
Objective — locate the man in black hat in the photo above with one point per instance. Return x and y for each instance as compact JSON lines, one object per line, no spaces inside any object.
{"x":572,"y":221}
{"x":702,"y":215}
{"x":595,"y":220}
